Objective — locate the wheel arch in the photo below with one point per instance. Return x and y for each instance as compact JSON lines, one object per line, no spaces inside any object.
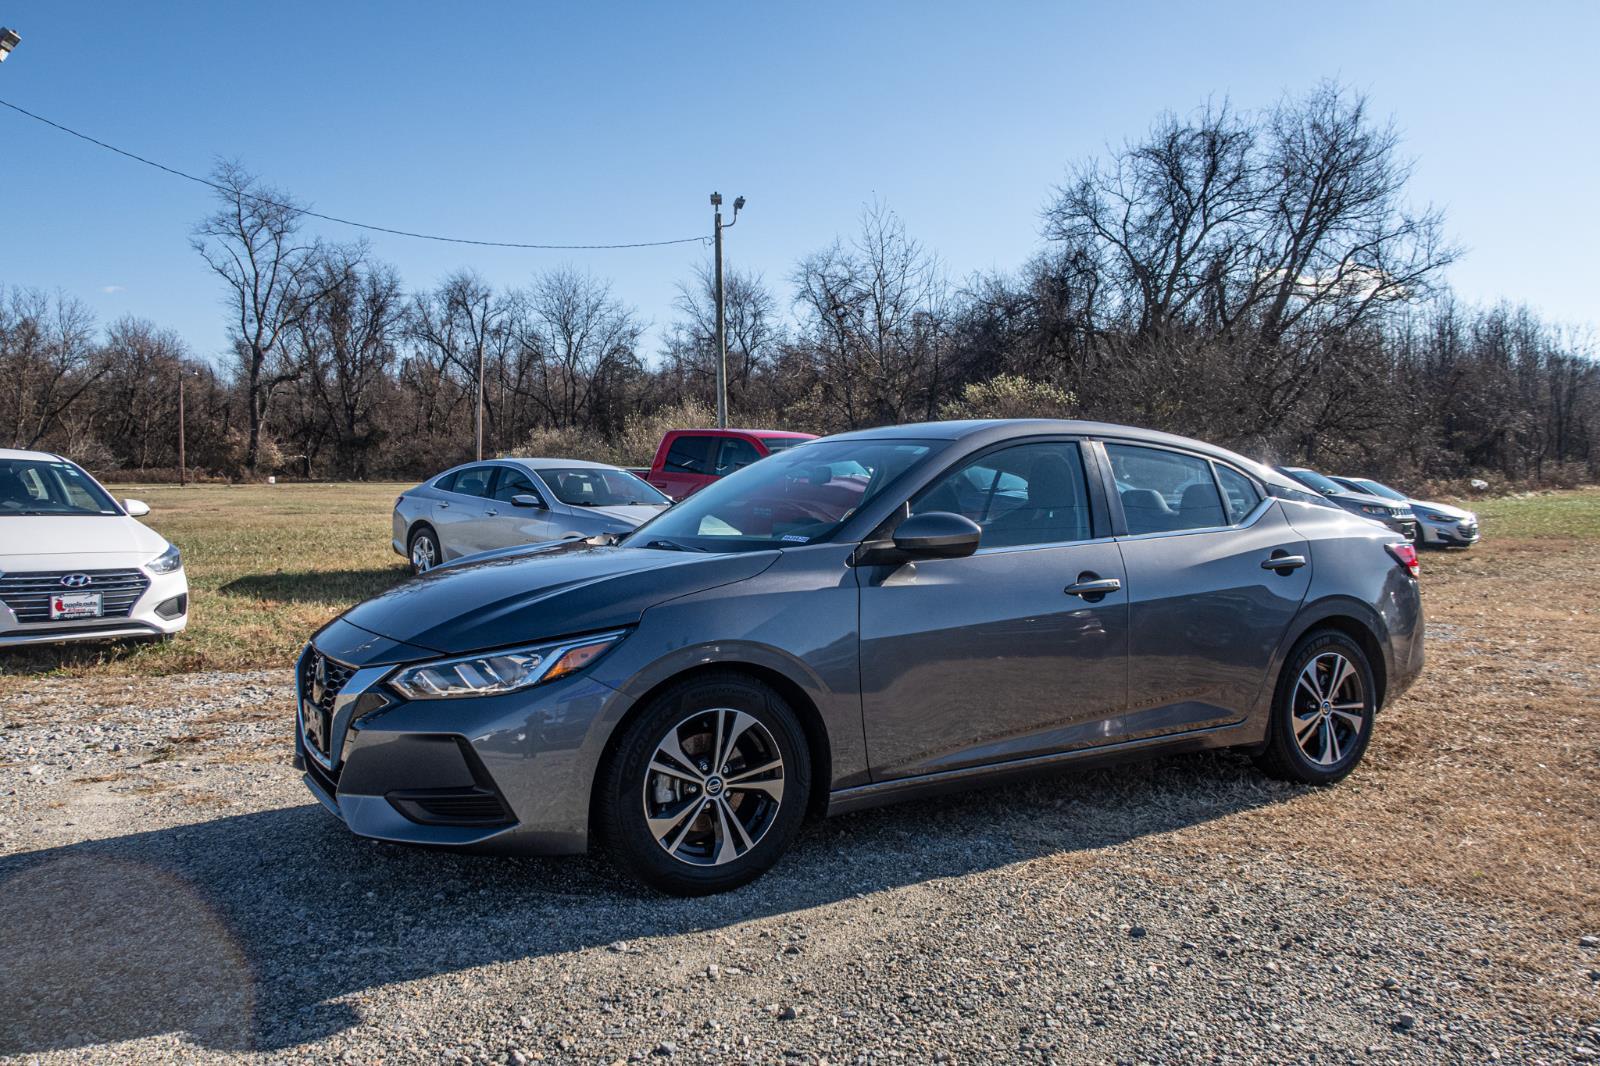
{"x":794,"y":694}
{"x":1355,"y":620}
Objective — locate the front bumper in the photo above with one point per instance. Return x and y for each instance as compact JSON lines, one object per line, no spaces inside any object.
{"x":162,"y":609}
{"x":1455,"y":534}
{"x":511,"y":773}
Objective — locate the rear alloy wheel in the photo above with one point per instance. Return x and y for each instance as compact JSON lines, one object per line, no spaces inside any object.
{"x":1323,"y":714}
{"x":707,"y":787}
{"x":424,"y":550}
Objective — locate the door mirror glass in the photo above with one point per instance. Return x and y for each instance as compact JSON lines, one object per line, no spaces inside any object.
{"x":525,"y":499}
{"x":938,"y":535}
{"x":136,"y":508}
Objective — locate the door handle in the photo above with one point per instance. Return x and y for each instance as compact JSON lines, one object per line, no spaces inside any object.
{"x":1283,"y":562}
{"x":1093,"y":587}
{"x":444,"y":505}
{"x":491,"y":511}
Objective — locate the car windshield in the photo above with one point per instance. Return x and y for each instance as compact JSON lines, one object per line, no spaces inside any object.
{"x":599,"y":487}
{"x":1312,"y":479}
{"x":50,"y":487}
{"x":796,"y":497}
{"x":1378,"y":489}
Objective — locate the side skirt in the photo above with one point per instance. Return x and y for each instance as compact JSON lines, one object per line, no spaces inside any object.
{"x":877,"y":794}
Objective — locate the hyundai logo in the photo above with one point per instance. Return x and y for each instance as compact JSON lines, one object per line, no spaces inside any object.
{"x":76,"y":581}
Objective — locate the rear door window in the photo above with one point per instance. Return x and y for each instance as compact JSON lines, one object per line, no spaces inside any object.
{"x":1239,"y":493}
{"x":1164,"y":491}
{"x":692,"y":454}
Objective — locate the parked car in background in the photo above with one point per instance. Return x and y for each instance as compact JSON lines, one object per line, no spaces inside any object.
{"x":501,"y":503}
{"x":75,"y":564}
{"x":1437,"y":523}
{"x":1397,"y":516}
{"x":688,"y":460}
{"x":872,"y":617}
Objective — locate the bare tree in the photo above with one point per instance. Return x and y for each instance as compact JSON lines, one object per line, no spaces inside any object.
{"x":754,"y":334}
{"x":48,"y":360}
{"x":874,"y":316}
{"x":583,"y":345}
{"x":272,"y":277}
{"x":345,"y":347}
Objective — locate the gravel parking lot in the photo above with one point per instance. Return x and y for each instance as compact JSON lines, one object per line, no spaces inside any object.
{"x":171,"y":893}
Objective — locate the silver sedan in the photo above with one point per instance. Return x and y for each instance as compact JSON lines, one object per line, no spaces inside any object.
{"x":502,"y":503}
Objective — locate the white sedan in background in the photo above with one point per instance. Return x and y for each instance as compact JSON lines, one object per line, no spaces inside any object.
{"x":502,"y":503}
{"x":77,"y":565}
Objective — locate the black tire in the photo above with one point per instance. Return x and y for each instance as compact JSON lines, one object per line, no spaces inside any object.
{"x":628,"y":784}
{"x":423,"y":533}
{"x":1335,"y":728}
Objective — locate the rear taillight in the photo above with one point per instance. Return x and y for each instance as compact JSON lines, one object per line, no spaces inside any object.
{"x":1406,"y":556}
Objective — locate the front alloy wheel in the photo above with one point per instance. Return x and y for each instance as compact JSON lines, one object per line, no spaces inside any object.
{"x":706,"y":787}
{"x":714,"y":787}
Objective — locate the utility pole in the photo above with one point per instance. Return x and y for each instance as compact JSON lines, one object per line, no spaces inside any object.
{"x":477,"y":418}
{"x":722,"y":315}
{"x":183,"y":466}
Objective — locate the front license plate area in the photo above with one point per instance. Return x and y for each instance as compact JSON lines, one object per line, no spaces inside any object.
{"x":316,"y":726}
{"x":69,"y":605}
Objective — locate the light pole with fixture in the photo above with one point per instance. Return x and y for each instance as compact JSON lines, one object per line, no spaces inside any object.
{"x":9,"y":39}
{"x":722,"y":317}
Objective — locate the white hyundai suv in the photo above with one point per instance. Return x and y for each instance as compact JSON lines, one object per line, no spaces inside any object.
{"x":75,"y":564}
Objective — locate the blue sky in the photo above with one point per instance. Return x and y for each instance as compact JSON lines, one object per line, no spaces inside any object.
{"x":577,"y":123}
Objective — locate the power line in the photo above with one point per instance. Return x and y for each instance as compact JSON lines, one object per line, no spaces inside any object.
{"x":174,"y":171}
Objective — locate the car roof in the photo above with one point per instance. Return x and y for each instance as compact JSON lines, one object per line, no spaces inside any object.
{"x":536,"y":463}
{"x":18,"y":453}
{"x":996,"y":430}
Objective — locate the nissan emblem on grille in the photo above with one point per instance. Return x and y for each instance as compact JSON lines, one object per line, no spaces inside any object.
{"x":76,"y":581}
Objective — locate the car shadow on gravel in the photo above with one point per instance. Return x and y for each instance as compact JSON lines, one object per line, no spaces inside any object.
{"x":252,"y":932}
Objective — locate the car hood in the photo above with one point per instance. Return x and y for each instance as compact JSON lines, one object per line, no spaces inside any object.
{"x":632,"y":516}
{"x":548,"y":590}
{"x":1441,"y":508}
{"x":46,"y":538}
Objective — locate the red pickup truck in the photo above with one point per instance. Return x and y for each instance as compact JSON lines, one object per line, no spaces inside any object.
{"x":690,"y":459}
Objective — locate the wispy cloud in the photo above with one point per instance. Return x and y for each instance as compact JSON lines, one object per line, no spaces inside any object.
{"x":109,"y":289}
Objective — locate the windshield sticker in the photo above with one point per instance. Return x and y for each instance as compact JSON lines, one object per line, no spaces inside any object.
{"x":794,"y":538}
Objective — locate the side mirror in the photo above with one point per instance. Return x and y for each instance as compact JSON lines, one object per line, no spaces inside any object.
{"x":136,"y":508}
{"x":937,"y":535}
{"x":526,"y":499}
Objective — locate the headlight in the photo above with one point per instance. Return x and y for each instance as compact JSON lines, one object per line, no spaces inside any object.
{"x":494,"y":673}
{"x":1370,"y":508}
{"x":166,"y":562}
{"x":1440,"y":518}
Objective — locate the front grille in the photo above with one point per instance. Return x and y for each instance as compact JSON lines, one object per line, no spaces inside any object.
{"x":321,"y":680}
{"x":28,"y":595}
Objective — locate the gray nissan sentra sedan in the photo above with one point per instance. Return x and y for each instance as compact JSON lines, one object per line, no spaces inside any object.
{"x":858,"y":620}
